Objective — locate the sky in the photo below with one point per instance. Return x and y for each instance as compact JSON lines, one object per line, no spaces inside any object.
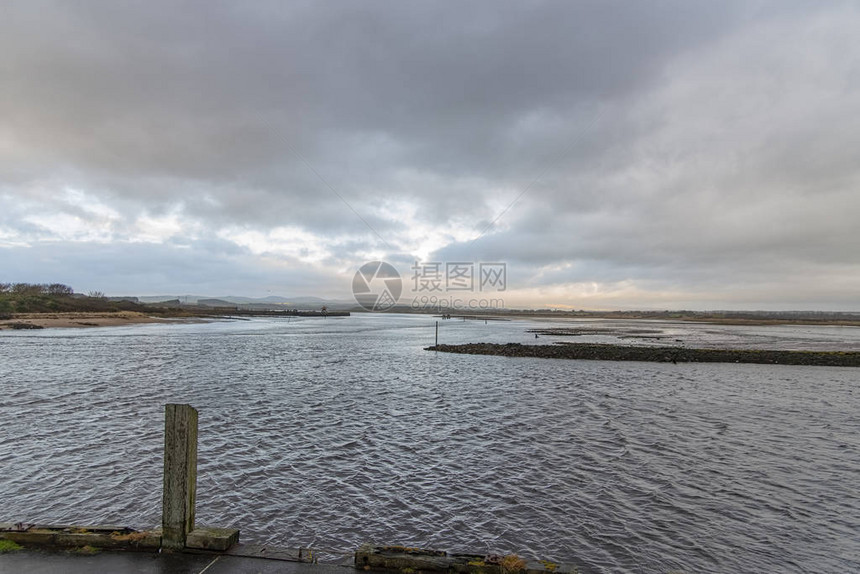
{"x":612,"y":155}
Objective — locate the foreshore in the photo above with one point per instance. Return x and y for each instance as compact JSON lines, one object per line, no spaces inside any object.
{"x":83,"y":319}
{"x":603,"y":352}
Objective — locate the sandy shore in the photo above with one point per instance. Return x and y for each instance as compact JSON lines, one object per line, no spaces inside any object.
{"x":78,"y":320}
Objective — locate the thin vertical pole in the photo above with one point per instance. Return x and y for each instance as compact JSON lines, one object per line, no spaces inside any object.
{"x":180,"y":474}
{"x":437,"y":333}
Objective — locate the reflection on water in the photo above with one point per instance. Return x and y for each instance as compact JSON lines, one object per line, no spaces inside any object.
{"x":334,"y":432}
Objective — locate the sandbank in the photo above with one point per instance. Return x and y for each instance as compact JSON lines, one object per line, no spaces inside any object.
{"x":84,"y":319}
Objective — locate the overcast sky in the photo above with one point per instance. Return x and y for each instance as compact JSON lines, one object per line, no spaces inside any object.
{"x":631,"y":154}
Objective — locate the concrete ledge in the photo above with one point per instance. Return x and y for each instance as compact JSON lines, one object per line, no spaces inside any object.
{"x":404,"y":560}
{"x":218,"y":539}
{"x":414,"y":560}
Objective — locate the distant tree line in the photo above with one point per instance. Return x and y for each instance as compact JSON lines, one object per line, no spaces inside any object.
{"x":53,"y":297}
{"x":55,"y":289}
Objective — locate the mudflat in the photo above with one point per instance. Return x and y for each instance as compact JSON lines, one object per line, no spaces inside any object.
{"x":77,"y":320}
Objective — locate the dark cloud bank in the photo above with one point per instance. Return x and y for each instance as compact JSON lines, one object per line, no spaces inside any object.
{"x":641,"y":154}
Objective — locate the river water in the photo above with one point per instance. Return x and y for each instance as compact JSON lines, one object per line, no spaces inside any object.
{"x":332,"y":432}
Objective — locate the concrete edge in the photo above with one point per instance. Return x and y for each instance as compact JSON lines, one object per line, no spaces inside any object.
{"x":209,"y":538}
{"x":404,"y":559}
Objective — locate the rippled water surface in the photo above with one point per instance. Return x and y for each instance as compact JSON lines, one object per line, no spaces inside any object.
{"x":329,"y":433}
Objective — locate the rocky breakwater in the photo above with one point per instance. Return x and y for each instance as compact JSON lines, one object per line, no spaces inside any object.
{"x":604,"y":352}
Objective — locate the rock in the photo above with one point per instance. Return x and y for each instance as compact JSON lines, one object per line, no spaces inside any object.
{"x":19,"y":325}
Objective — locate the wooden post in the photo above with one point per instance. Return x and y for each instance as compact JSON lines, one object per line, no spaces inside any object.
{"x":180,"y":474}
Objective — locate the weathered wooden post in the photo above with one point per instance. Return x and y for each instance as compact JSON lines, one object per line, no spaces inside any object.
{"x":180,"y":474}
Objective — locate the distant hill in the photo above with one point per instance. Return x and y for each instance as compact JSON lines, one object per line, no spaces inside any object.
{"x":215,"y":303}
{"x":234,"y":299}
{"x":277,"y":299}
{"x":162,"y":298}
{"x":271,"y":302}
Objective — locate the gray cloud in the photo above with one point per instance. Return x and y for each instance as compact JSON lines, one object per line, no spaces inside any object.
{"x":678,"y":147}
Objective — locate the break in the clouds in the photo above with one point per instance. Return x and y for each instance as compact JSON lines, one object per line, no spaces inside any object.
{"x":613,"y":154}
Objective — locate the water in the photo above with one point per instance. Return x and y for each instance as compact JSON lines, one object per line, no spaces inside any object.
{"x":330,"y":433}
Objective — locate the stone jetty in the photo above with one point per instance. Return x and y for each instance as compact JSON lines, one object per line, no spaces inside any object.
{"x":605,"y":352}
